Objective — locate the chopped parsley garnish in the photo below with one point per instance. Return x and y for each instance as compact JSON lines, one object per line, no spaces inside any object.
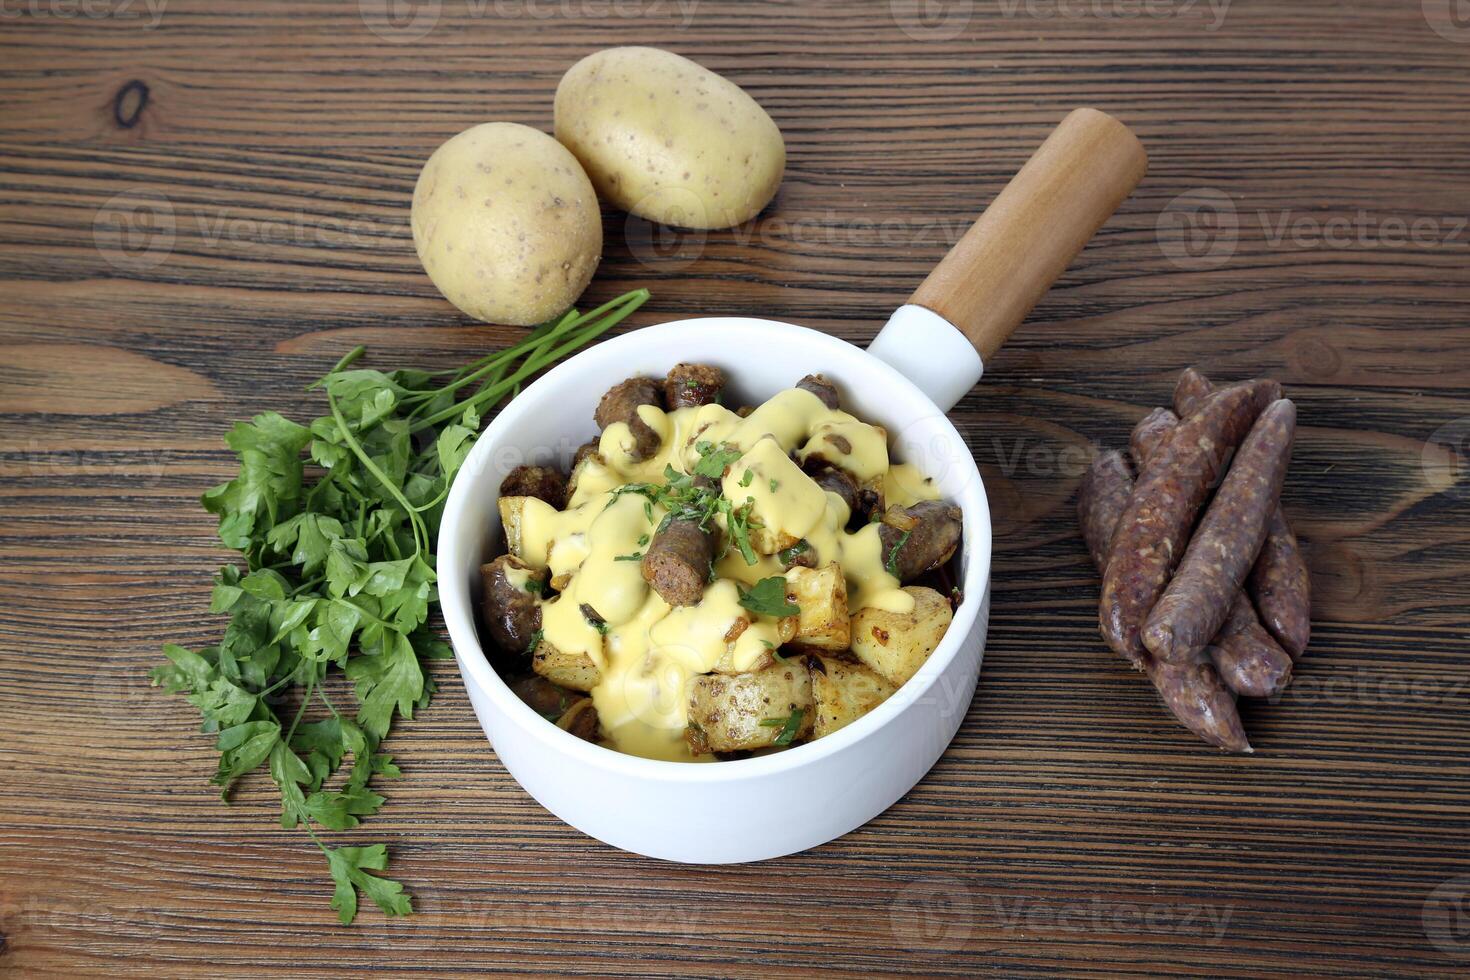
{"x":642,"y":540}
{"x":789,"y":725}
{"x":533,"y":586}
{"x":635,"y":556}
{"x":892,"y":563}
{"x":749,"y":476}
{"x":536,"y":639}
{"x":788,"y":556}
{"x":768,"y":598}
{"x":686,"y":499}
{"x":775,"y":484}
{"x":713,"y":462}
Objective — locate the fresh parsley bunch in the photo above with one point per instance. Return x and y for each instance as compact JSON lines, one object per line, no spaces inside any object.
{"x":336,"y":522}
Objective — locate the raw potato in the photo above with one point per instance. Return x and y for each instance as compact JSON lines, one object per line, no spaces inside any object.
{"x":843,"y":693}
{"x":571,"y":670}
{"x":897,"y":644}
{"x":729,"y":708}
{"x":822,"y":595}
{"x":667,"y":139}
{"x":506,"y":224}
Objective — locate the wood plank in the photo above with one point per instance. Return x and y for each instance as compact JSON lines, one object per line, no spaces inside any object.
{"x":197,"y":218}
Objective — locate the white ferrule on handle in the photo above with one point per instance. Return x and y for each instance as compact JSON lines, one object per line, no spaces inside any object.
{"x":931,"y":352}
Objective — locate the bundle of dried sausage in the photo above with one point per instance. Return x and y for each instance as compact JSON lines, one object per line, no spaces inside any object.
{"x":1175,"y":559}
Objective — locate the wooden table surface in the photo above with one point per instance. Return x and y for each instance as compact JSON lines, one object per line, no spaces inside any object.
{"x":205,"y":204}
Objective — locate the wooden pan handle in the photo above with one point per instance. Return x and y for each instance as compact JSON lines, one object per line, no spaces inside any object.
{"x":1030,"y":233}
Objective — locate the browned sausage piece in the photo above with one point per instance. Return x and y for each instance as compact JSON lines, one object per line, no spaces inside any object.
{"x":1104,"y":493}
{"x":1149,"y":433}
{"x":932,"y":532}
{"x":588,"y":448}
{"x":541,"y":482}
{"x":580,"y":720}
{"x":1282,"y":588}
{"x":621,"y":404}
{"x":1279,"y":583}
{"x":509,"y":608}
{"x":547,"y":699}
{"x":822,"y":388}
{"x":1249,"y":661}
{"x":835,"y":480}
{"x":1153,"y":530}
{"x":692,"y":385}
{"x":1194,"y":694}
{"x":677,"y":562}
{"x":1224,"y":546}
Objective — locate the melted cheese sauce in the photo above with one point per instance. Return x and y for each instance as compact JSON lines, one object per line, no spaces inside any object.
{"x":647,"y":650}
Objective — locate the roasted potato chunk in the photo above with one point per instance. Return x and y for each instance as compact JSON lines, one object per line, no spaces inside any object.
{"x":511,"y":511}
{"x":822,"y":595}
{"x":897,"y":644}
{"x":843,"y":693}
{"x":726,"y":711}
{"x":571,"y":670}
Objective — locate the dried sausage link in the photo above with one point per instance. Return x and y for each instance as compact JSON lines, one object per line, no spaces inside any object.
{"x":1224,"y":546}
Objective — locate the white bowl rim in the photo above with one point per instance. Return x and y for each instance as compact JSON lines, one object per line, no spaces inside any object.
{"x":458,"y":614}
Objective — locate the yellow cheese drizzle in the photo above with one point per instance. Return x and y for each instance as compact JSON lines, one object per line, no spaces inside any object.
{"x":648,"y":651}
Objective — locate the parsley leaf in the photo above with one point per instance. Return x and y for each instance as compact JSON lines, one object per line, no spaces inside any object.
{"x":787,"y":556}
{"x":891,"y":564}
{"x":768,"y":598}
{"x":350,"y":867}
{"x":713,"y":462}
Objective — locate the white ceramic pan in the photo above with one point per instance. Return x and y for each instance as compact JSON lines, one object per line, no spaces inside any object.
{"x":927,"y":357}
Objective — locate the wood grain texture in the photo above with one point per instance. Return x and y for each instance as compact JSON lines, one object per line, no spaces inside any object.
{"x":197,"y":217}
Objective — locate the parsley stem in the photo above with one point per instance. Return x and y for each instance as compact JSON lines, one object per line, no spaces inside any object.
{"x":497,"y":363}
{"x":342,"y":362}
{"x":420,"y":533}
{"x":301,"y":711}
{"x":322,"y":693}
{"x":606,"y":316}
